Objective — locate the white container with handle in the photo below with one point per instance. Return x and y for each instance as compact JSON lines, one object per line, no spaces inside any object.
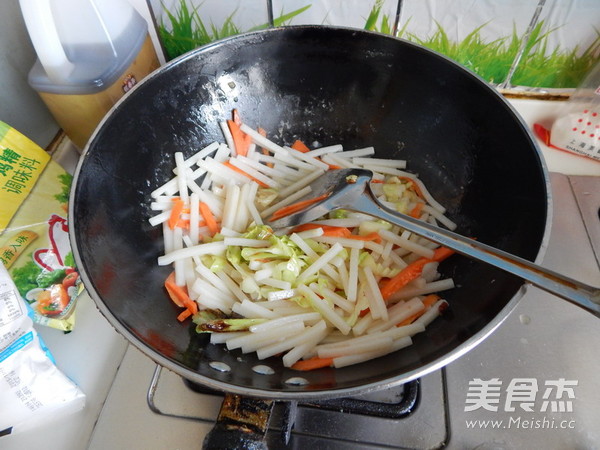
{"x":90,"y":52}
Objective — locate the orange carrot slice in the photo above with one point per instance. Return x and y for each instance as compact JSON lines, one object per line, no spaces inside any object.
{"x":178,"y":205}
{"x":184,"y":315}
{"x":241,"y":141}
{"x":179,"y":295}
{"x":168,"y":283}
{"x":414,"y":186}
{"x":209,"y":218}
{"x":374,"y":236}
{"x":312,"y":363}
{"x":300,"y":146}
{"x":411,"y":272}
{"x":183,"y":223}
{"x":240,"y":171}
{"x":417,"y":210}
{"x":298,"y":206}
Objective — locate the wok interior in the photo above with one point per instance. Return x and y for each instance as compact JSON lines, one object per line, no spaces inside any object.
{"x":324,"y":86}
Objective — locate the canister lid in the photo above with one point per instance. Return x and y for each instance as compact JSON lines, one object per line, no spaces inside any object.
{"x":96,"y":68}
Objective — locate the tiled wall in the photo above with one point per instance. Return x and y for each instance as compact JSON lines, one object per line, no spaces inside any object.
{"x":516,"y":44}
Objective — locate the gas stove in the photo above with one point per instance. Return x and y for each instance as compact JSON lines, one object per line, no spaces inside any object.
{"x":533,"y":382}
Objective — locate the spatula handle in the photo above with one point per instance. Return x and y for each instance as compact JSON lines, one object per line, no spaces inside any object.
{"x":585,"y":296}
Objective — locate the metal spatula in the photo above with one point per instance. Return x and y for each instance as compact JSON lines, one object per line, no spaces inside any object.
{"x":349,"y":189}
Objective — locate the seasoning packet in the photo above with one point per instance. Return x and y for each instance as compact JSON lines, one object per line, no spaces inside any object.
{"x":576,"y":128}
{"x":34,"y":239}
{"x":32,"y":389}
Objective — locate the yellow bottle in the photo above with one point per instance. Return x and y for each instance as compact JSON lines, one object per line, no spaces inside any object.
{"x":90,"y":53}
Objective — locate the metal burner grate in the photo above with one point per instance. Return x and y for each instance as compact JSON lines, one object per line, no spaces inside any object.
{"x":408,"y":416}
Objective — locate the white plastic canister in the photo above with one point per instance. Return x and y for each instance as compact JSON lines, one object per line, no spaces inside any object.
{"x":90,"y":52}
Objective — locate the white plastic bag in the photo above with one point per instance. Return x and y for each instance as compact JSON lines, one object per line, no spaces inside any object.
{"x":32,"y":388}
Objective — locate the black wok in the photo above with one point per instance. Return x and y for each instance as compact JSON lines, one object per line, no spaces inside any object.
{"x":326,"y":86}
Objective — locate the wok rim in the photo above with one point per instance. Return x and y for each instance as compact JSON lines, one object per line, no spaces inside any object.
{"x":399,"y":379}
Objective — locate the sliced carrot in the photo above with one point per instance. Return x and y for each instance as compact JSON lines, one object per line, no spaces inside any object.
{"x":241,"y":141}
{"x":411,"y":272}
{"x":300,"y":146}
{"x":178,"y":205}
{"x":179,"y":294}
{"x":417,"y":210}
{"x":306,"y":226}
{"x":312,"y":363}
{"x":330,"y":231}
{"x":238,"y":170}
{"x":405,"y":276}
{"x":183,"y":223}
{"x":428,"y":301}
{"x":414,"y":186}
{"x":209,"y":218}
{"x":374,"y":236}
{"x":326,"y":228}
{"x":441,"y":253}
{"x":184,"y":315}
{"x":298,"y":206}
{"x":377,"y":181}
{"x":168,"y":283}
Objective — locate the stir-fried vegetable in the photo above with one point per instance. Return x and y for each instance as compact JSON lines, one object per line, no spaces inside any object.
{"x":338,"y":291}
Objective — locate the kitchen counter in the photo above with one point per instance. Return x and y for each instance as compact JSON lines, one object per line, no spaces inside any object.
{"x":114,"y":375}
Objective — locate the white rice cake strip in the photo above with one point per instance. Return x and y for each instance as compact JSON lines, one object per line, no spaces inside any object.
{"x":162,"y":217}
{"x":212,"y":248}
{"x":301,"y":183}
{"x":360,"y":152}
{"x":230,"y":208}
{"x":448,"y":223}
{"x":398,"y":313}
{"x":351,"y":293}
{"x":320,"y":262}
{"x":305,"y":317}
{"x":325,"y":150}
{"x":251,"y":310}
{"x":344,"y":242}
{"x":221,"y":338}
{"x":337,"y":161}
{"x":395,"y":163}
{"x":360,"y":347}
{"x":253,"y":172}
{"x":406,"y":244}
{"x":323,"y":308}
{"x":227,"y":135}
{"x":338,"y":300}
{"x":232,"y":286}
{"x":376,"y":303}
{"x":292,"y":342}
{"x":344,"y":361}
{"x":260,"y":339}
{"x":432,"y":313}
{"x":303,"y":349}
{"x":201,"y":154}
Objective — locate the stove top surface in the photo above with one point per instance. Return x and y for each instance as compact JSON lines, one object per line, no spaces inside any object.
{"x":409,"y":416}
